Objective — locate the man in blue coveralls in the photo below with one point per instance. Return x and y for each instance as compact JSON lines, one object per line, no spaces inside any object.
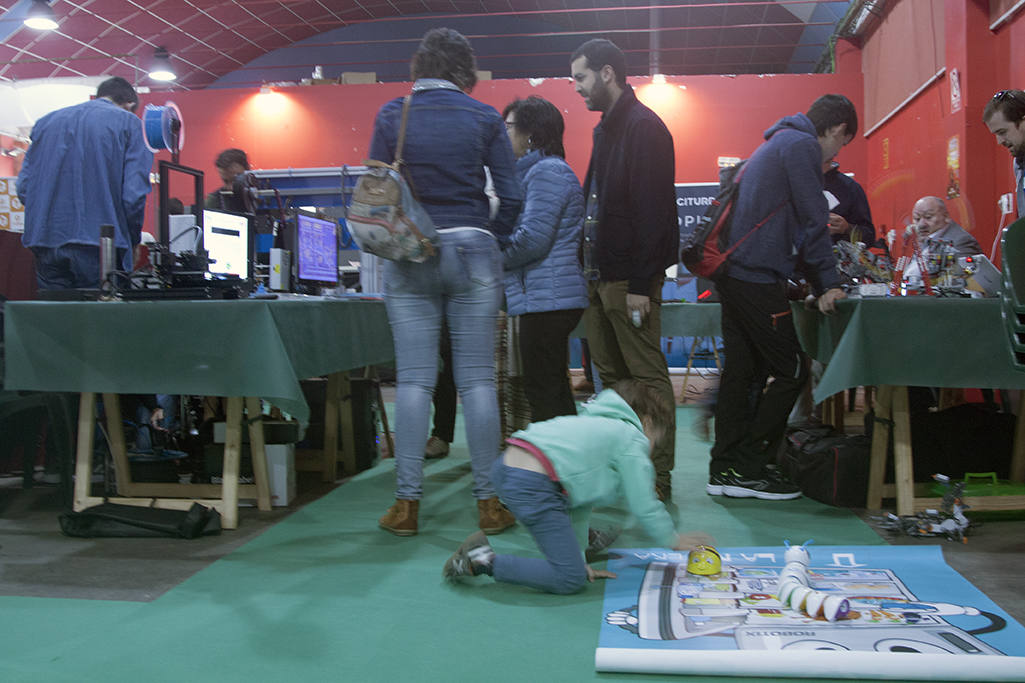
{"x":88,"y":165}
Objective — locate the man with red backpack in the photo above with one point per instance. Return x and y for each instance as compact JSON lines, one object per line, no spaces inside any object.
{"x":780,"y":215}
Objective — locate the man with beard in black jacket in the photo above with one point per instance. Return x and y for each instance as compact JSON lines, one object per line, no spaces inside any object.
{"x":631,"y":234}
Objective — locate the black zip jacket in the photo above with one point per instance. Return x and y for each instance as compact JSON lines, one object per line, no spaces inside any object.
{"x":633,"y":167}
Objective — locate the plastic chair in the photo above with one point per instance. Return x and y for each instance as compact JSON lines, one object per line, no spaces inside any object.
{"x":1012,"y":298}
{"x":1012,"y":254}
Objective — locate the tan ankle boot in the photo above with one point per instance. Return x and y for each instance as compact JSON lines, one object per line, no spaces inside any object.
{"x":401,"y":518}
{"x":494,"y":517}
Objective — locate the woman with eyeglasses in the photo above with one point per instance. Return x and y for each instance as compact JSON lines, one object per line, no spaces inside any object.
{"x":544,"y":286}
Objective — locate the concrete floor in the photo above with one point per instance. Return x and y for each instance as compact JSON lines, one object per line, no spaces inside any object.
{"x":37,"y":560}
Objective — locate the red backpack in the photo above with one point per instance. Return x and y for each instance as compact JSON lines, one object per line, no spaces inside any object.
{"x":704,"y":252}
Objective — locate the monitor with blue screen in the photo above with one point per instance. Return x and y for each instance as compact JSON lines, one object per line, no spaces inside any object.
{"x":316,"y":250}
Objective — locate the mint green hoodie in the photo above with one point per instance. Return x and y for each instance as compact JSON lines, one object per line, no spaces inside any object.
{"x":602,"y":456}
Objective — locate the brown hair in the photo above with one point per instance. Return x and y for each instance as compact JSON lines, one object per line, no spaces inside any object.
{"x":1010,"y":103}
{"x":647,"y":403}
{"x":231,"y":156}
{"x":445,"y":53}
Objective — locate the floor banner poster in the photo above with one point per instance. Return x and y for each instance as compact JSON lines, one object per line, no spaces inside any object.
{"x":858,"y":612}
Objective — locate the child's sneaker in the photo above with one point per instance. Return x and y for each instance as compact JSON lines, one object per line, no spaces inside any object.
{"x":600,"y":539}
{"x":473,"y":558}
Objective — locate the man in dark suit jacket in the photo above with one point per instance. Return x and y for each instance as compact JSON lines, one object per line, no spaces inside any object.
{"x":937,"y":233}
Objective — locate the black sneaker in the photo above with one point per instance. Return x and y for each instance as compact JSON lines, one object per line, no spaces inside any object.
{"x":715,"y":484}
{"x":771,"y":486}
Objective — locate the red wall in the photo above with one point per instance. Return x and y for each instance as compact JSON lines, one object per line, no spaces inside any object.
{"x":908,"y":155}
{"x":907,"y":159}
{"x":331,"y":125}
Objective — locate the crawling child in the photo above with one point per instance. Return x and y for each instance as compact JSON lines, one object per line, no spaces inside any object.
{"x":554,"y":472}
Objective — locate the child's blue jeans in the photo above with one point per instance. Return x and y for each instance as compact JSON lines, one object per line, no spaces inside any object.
{"x":540,"y":505}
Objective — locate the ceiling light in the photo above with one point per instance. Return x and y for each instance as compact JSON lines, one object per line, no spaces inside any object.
{"x":658,"y":79}
{"x":40,"y":16}
{"x":160,"y":68}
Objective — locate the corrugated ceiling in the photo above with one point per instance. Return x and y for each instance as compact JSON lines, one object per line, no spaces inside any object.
{"x":211,"y":40}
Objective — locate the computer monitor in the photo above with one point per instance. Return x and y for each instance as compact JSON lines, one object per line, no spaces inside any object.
{"x":316,"y":252}
{"x":227,"y":239}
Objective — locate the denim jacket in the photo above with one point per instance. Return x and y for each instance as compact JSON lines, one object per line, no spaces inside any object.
{"x":450,"y":138}
{"x":87,"y":166}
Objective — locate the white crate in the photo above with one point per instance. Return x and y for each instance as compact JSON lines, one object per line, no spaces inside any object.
{"x":281,"y":473}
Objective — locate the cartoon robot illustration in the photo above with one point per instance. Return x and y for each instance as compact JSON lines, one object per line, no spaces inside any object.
{"x":797,"y":606}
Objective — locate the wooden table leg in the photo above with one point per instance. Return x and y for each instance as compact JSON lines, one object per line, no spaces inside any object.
{"x":345,"y":419}
{"x":903,"y":467}
{"x":686,"y":372}
{"x":389,"y":442}
{"x":332,"y":401}
{"x":258,"y":453}
{"x":84,"y":450}
{"x":880,"y":446}
{"x":116,"y":441}
{"x":232,"y":458}
{"x":833,"y":411}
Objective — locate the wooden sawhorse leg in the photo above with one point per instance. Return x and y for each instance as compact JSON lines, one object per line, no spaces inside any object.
{"x":690,"y":362}
{"x":223,"y":498}
{"x":892,"y":410}
{"x":338,"y":427}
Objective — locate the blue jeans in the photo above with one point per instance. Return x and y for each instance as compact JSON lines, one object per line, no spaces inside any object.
{"x":463,"y":286}
{"x":72,"y":266}
{"x":539,"y":504}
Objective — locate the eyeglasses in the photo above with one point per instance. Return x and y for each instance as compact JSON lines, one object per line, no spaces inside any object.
{"x":1012,"y":95}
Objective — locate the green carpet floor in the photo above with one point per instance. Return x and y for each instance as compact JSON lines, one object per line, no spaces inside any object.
{"x":325,"y":595}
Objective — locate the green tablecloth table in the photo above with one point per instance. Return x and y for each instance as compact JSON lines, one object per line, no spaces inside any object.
{"x":681,"y":320}
{"x":244,"y":350}
{"x":691,"y":320}
{"x":898,"y":342}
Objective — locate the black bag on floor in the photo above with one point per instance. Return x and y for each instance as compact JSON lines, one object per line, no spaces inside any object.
{"x":111,"y":520}
{"x":829,"y":467}
{"x":966,"y":438}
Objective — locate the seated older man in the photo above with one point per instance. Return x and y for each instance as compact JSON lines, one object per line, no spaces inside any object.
{"x":938,"y":234}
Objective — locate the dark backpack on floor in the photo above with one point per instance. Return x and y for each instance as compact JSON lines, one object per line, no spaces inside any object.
{"x":829,"y":467}
{"x":121,"y":521}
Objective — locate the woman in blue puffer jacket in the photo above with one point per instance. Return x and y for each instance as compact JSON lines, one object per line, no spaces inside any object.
{"x":544,"y":285}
